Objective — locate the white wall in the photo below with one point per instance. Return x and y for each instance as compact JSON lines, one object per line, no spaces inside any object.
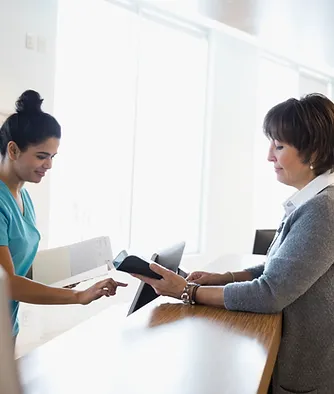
{"x":22,"y":69}
{"x":233,"y":86}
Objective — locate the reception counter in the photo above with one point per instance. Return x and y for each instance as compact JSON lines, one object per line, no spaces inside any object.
{"x":165,"y":347}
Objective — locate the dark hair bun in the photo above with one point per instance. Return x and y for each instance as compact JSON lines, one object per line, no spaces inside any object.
{"x":29,"y":102}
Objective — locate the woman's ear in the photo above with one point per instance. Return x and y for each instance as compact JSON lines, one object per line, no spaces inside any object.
{"x":313,"y":160}
{"x":13,"y":150}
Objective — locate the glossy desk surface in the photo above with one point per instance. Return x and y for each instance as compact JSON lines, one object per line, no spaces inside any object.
{"x":165,"y":347}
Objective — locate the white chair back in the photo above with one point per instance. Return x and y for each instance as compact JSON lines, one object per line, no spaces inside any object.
{"x":77,"y":260}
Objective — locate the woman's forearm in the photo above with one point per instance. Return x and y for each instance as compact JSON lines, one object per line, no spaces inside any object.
{"x":243,"y":276}
{"x":210,"y":295}
{"x":240,"y":276}
{"x":214,"y":295}
{"x":26,"y":290}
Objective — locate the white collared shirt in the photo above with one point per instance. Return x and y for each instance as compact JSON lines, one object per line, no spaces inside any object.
{"x":299,"y":198}
{"x":309,"y":191}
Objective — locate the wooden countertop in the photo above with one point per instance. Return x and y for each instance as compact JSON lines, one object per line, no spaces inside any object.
{"x":165,"y":347}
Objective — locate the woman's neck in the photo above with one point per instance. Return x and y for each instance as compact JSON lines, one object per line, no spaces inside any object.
{"x":8,"y":177}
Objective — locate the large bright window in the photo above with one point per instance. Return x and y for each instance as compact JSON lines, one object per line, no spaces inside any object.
{"x":277,"y":82}
{"x":131,"y":97}
{"x":169,"y":135}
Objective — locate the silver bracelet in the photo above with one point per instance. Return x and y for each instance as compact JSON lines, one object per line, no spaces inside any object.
{"x":188,"y":293}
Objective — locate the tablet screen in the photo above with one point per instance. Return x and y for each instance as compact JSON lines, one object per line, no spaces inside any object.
{"x":118,"y":260}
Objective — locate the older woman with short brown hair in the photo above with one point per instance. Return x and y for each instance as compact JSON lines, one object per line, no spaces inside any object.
{"x":298,"y":276}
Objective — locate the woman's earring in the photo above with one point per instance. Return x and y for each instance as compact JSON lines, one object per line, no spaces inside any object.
{"x":311,"y":167}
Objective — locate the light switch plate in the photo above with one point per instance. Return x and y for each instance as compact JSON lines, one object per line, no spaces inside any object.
{"x":30,"y":41}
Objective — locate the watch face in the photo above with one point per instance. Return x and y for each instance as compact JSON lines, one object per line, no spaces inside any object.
{"x":185,"y":297}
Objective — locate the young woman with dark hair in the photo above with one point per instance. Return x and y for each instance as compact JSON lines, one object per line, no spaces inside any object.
{"x":29,"y":141}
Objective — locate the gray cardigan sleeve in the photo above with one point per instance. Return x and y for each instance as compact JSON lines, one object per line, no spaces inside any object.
{"x":256,"y":271}
{"x":306,"y":252}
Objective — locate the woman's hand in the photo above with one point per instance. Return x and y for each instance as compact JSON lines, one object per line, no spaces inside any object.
{"x":171,"y":284}
{"x":105,"y":287}
{"x":207,"y":278}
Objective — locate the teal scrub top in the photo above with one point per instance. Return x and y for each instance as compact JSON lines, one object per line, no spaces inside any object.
{"x":19,"y":233}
